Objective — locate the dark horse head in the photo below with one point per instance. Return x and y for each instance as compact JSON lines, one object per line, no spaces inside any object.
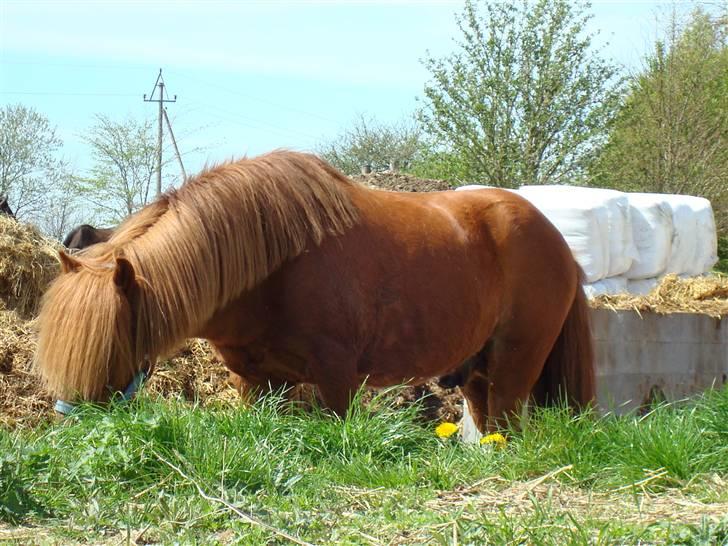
{"x":5,"y":208}
{"x":86,"y":235}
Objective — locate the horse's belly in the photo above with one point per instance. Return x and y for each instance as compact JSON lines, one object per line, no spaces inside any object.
{"x":424,"y":343}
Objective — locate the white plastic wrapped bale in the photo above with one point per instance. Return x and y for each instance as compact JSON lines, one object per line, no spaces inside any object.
{"x":610,"y":285}
{"x":583,"y":220}
{"x":694,"y":239}
{"x":684,"y":235}
{"x":642,"y":287}
{"x":707,"y":254}
{"x":652,"y":230}
{"x":618,"y":229}
{"x":472,"y":187}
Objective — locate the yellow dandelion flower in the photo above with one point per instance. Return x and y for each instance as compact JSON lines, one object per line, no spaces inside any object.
{"x":496,"y":439}
{"x":445,"y":430}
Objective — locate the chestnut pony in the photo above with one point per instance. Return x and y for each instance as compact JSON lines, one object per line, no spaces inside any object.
{"x":296,"y":274}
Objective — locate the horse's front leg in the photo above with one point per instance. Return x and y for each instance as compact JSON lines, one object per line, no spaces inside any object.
{"x":246,"y":369}
{"x":334,"y":370}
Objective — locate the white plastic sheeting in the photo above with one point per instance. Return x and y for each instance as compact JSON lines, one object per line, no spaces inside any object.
{"x":611,"y":212}
{"x":652,"y":230}
{"x":642,"y":287}
{"x":610,"y":285}
{"x":624,"y":242}
{"x":694,"y":242}
{"x":673,"y":233}
{"x":472,"y":187}
{"x":684,"y":235}
{"x":595,"y":223}
{"x":707,"y":255}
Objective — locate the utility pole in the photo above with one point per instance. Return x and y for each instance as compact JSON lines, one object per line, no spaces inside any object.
{"x":159,"y":84}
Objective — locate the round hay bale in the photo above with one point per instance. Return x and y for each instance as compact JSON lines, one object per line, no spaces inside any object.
{"x":28,"y":262}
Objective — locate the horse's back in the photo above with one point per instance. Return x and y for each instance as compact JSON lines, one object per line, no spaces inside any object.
{"x":539,"y":269}
{"x":489,"y":224}
{"x":416,"y":279}
{"x":86,"y":235}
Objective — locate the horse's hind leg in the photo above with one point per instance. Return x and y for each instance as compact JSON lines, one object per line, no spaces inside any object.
{"x":460,"y":375}
{"x":475,"y":386}
{"x":515,"y":366}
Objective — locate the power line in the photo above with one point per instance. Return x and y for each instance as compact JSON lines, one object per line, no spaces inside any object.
{"x":66,"y":94}
{"x":253,"y":122}
{"x":257,"y":99}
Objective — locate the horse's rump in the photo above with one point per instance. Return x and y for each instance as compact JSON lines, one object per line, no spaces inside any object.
{"x":86,"y":235}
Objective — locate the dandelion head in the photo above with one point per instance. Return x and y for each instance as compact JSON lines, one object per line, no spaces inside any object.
{"x":445,"y":430}
{"x":496,"y":439}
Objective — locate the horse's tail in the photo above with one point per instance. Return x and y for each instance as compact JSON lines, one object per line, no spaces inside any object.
{"x":569,"y":370}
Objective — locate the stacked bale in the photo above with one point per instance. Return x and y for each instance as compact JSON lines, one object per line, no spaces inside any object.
{"x":595,"y":223}
{"x":627,"y":242}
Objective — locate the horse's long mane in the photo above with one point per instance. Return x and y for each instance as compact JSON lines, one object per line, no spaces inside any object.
{"x":193,"y":250}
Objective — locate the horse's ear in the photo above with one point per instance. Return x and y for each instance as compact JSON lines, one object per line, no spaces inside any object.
{"x":68,"y":263}
{"x":124,"y":275}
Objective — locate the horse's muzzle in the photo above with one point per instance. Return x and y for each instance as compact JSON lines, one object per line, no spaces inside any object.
{"x":66,"y":408}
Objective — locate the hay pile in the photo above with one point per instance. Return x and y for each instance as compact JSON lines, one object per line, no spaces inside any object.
{"x":703,"y":295}
{"x":193,"y":373}
{"x":28,"y":262}
{"x":21,"y":396}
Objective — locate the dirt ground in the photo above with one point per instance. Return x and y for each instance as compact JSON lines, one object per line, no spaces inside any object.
{"x":401,"y":182}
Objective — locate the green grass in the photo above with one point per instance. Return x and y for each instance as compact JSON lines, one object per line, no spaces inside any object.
{"x":379,"y":475}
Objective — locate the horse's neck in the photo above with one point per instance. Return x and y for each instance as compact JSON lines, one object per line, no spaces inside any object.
{"x":173,"y":304}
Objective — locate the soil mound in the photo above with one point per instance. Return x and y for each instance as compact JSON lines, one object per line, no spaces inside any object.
{"x":401,"y":182}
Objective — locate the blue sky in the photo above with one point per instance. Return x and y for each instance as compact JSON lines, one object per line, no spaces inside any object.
{"x":249,"y":76}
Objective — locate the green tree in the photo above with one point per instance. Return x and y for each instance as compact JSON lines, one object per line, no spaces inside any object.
{"x":63,"y":210}
{"x":123,"y":177}
{"x":671,"y":136}
{"x":369,"y":144}
{"x":524,"y":99}
{"x":29,"y":166}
